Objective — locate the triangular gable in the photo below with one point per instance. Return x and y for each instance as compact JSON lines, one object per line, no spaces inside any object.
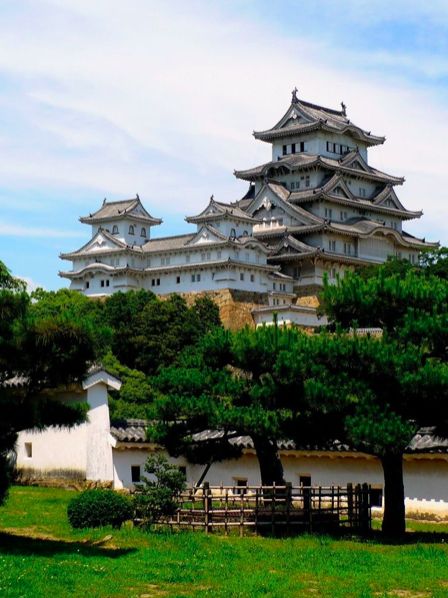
{"x":295,"y":115}
{"x":102,"y":241}
{"x":290,"y":245}
{"x":205,"y":235}
{"x":337,"y":186}
{"x":356,"y":161}
{"x":138,"y":211}
{"x":267,"y":198}
{"x":389,"y":199}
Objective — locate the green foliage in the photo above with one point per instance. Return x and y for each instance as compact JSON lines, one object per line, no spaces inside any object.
{"x":97,"y":508}
{"x":44,"y":351}
{"x":155,"y":496}
{"x":136,"y":394}
{"x":41,"y":556}
{"x":150,"y":333}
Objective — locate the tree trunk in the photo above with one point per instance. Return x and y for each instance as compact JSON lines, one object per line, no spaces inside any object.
{"x":394,"y":523}
{"x":271,"y":468}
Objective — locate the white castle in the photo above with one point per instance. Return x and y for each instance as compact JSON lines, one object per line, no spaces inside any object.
{"x":316,"y":208}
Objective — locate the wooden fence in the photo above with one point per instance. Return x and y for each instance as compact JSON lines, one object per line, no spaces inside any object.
{"x":278,"y":510}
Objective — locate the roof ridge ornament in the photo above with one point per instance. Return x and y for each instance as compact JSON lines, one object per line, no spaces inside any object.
{"x":343,"y":109}
{"x":294,"y":99}
{"x":104,"y":201}
{"x":137,"y":196}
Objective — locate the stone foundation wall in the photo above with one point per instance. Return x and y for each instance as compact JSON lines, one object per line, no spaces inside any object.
{"x":235,"y":306}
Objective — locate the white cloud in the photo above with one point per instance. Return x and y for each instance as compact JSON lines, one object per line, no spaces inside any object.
{"x":161,"y":98}
{"x":16,"y":230}
{"x":31,"y":285}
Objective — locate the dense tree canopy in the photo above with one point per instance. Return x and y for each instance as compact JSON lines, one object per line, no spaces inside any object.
{"x":400,"y":380}
{"x":39,"y":352}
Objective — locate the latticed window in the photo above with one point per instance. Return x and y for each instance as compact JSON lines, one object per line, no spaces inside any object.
{"x":131,"y":230}
{"x":143,"y":232}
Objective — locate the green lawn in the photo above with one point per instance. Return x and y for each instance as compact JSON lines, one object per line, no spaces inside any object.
{"x":41,"y":556}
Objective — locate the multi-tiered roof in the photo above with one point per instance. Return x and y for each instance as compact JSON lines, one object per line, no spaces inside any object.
{"x":344,"y":201}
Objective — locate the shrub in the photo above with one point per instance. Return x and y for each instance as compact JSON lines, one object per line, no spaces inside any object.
{"x":155,"y":498}
{"x":96,"y":508}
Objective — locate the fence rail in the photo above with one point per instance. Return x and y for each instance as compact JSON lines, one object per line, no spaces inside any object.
{"x":274,"y":509}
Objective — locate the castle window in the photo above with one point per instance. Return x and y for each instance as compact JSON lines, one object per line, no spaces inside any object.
{"x":28,"y":450}
{"x":285,"y":150}
{"x":87,"y":284}
{"x":158,"y":282}
{"x":131,"y":230}
{"x":302,"y":146}
{"x":187,"y":258}
{"x":218,"y":255}
{"x":274,"y":286}
{"x":232,"y":233}
{"x":107,"y":283}
{"x":241,"y":275}
{"x":343,"y":215}
{"x":143,"y":232}
{"x":102,"y":283}
{"x":293,"y":148}
{"x":240,"y":486}
{"x":245,"y":233}
{"x":332,"y":245}
{"x":362,"y":192}
{"x":328,"y":213}
{"x":307,"y":180}
{"x":177,"y":279}
{"x":252,"y":278}
{"x":135,"y":473}
{"x":347,"y":248}
{"x":115,"y":229}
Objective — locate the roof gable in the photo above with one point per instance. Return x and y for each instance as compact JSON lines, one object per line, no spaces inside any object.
{"x":337,"y":186}
{"x":218,"y":210}
{"x":207,"y":235}
{"x":102,"y":241}
{"x":117,"y":210}
{"x":356,"y":161}
{"x":389,"y":199}
{"x":274,"y":195}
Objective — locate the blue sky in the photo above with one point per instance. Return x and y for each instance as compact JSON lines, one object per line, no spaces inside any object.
{"x":110,"y":98}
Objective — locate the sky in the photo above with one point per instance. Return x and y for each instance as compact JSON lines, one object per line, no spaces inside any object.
{"x":111,"y":98}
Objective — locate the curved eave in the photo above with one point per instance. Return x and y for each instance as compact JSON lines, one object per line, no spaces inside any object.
{"x":386,"y":232}
{"x":273,"y":134}
{"x":255,"y":174}
{"x":213,"y":217}
{"x":100,"y":253}
{"x":282,"y":230}
{"x":101,"y":268}
{"x":226,"y":263}
{"x":403,"y":214}
{"x":124,"y":216}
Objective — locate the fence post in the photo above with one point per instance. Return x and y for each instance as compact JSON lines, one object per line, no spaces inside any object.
{"x":365,"y":513}
{"x":350,"y":504}
{"x":207,"y":505}
{"x":288,"y":500}
{"x":306,"y":495}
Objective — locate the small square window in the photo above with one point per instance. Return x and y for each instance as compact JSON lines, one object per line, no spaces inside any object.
{"x":87,"y":284}
{"x":135,"y":473}
{"x":102,"y":283}
{"x":241,"y":275}
{"x":240,"y":486}
{"x":252,"y":278}
{"x":28,"y":450}
{"x":198,"y":277}
{"x":376,"y":497}
{"x":177,"y":279}
{"x":107,"y":283}
{"x":158,"y":282}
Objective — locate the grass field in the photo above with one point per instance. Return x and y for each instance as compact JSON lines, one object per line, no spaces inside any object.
{"x":41,"y":556}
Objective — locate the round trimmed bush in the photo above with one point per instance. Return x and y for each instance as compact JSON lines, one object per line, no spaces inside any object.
{"x":96,"y":508}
